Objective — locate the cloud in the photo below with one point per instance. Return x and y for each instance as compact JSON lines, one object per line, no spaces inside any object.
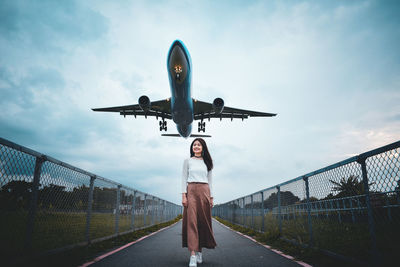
{"x":45,"y":25}
{"x":329,"y":69}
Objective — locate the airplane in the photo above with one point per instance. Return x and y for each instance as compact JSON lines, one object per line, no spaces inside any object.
{"x":181,"y":107}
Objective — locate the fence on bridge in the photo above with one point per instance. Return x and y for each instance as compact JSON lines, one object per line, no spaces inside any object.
{"x":47,"y":205}
{"x":350,"y":209}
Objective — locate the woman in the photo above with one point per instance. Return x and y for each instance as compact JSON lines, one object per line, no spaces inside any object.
{"x":197,"y":201}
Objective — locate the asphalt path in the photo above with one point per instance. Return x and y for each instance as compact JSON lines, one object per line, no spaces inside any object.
{"x":165,"y":249}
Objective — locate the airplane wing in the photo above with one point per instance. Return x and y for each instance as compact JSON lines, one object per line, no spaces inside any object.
{"x":204,"y":110}
{"x":161,"y":108}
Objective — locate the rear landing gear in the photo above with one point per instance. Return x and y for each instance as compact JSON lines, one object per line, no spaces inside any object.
{"x":163,"y":125}
{"x":202,"y":127}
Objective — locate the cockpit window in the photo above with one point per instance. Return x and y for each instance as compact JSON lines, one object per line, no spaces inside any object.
{"x":178,"y":68}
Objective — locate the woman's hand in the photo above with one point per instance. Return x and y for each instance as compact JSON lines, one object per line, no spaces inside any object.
{"x":212,"y":202}
{"x":184,"y":200}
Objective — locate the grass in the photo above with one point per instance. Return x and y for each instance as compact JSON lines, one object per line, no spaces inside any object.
{"x":272,"y":238}
{"x":54,"y":230}
{"x":351,"y":240}
{"x":79,"y":255}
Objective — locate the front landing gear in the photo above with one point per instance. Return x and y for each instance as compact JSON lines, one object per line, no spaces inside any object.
{"x":163,"y":125}
{"x":202,"y":127}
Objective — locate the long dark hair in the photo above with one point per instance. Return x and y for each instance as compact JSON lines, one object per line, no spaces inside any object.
{"x":205,"y":154}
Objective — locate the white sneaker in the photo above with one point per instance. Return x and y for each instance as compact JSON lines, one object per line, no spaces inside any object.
{"x":199,"y":257}
{"x":193,"y":262}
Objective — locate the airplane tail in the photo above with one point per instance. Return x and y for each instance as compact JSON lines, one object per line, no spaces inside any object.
{"x":192,"y":135}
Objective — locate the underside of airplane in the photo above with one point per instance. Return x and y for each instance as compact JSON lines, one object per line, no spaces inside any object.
{"x":181,"y":107}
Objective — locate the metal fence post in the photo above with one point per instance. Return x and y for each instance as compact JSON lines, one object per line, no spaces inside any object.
{"x":243,"y":214}
{"x":165,"y":203}
{"x":352,"y":212}
{"x":162,"y":211}
{"x":159,"y":210}
{"x":263,"y":212}
{"x":230,"y":212}
{"x":152,"y":210}
{"x":305,"y":178}
{"x":159,"y":205}
{"x":165,"y":211}
{"x":89,"y":208}
{"x":371,"y":224}
{"x":157,"y":219}
{"x":33,"y":202}
{"x":279,"y":209}
{"x":252,"y":212}
{"x":233,"y":211}
{"x":117,"y":209}
{"x":133,"y":210}
{"x":144,"y":209}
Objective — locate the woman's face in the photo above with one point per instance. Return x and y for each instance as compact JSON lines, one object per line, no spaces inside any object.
{"x":197,"y":147}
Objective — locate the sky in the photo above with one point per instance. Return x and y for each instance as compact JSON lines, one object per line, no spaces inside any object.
{"x":329,"y":69}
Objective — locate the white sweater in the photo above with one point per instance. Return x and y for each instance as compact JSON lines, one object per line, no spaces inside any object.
{"x":195,"y":170}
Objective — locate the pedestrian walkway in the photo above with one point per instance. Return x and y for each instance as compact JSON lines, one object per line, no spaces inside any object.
{"x":165,"y":249}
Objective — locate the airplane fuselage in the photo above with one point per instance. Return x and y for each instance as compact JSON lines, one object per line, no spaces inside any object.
{"x":179,"y":65}
{"x":181,"y":107}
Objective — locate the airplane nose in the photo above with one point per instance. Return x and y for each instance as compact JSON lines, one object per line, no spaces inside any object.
{"x":184,"y":130}
{"x":178,"y":64}
{"x":177,"y":53}
{"x":176,"y":43}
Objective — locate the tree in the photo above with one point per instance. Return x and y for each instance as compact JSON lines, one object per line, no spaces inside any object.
{"x":348,"y":187}
{"x":15,"y":195}
{"x":287,"y":198}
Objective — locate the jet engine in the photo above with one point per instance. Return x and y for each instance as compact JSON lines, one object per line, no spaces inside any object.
{"x":218,"y":105}
{"x":144,"y":103}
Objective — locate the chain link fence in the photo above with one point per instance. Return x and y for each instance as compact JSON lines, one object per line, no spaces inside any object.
{"x":350,"y":209}
{"x":48,"y":205}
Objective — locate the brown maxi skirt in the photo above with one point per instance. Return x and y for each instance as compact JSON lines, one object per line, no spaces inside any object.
{"x":196,"y":227}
